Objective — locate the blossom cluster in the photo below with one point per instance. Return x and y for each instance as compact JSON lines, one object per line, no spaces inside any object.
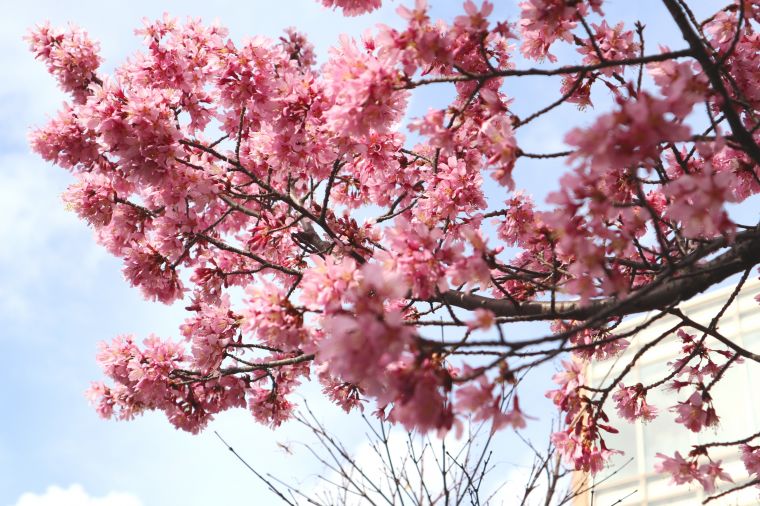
{"x":684,"y":470}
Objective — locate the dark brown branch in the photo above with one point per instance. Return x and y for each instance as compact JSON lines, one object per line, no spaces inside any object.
{"x":540,"y":156}
{"x":269,"y":484}
{"x":232,"y":249}
{"x":568,"y":69}
{"x":323,"y":212}
{"x":717,"y":335}
{"x":267,"y":365}
{"x":744,"y":253}
{"x":732,"y":490}
{"x":556,"y":103}
{"x":731,"y":443}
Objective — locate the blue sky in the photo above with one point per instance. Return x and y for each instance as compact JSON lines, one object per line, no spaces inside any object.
{"x":60,"y":293}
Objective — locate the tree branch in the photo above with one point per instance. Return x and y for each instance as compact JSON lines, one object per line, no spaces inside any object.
{"x":712,"y":72}
{"x":744,"y":253}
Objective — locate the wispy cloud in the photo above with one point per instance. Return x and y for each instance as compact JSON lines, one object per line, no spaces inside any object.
{"x":37,"y":233}
{"x":75,"y":495}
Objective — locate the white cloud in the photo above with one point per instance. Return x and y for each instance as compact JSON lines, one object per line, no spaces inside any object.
{"x":38,"y":234}
{"x":31,"y":210}
{"x":75,"y":495}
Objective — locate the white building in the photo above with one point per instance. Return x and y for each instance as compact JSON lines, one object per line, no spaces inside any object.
{"x":736,"y":399}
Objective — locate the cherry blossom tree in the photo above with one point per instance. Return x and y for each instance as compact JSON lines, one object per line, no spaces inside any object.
{"x":313,"y":231}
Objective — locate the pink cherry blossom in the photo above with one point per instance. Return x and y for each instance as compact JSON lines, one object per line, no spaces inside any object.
{"x":696,"y":412}
{"x":614,"y":44}
{"x":680,"y":470}
{"x":686,"y":471}
{"x":542,"y":22}
{"x":211,"y":331}
{"x":70,"y":55}
{"x":153,"y":273}
{"x":420,"y":400}
{"x":92,"y":198}
{"x":65,"y":141}
{"x":698,"y":200}
{"x":628,"y":136}
{"x":751,"y":459}
{"x":363,"y":92}
{"x":632,"y":404}
{"x":353,"y":7}
{"x":710,"y":472}
{"x":483,"y":400}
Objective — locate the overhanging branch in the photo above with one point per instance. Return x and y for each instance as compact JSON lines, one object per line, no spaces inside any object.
{"x":744,"y":253}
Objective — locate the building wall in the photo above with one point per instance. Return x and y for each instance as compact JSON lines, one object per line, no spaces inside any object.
{"x":736,"y":398}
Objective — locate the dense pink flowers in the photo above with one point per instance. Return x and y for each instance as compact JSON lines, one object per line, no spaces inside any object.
{"x":629,"y":136}
{"x":632,"y":403}
{"x":65,"y":140}
{"x":697,"y":202}
{"x":420,"y":401}
{"x":360,"y":344}
{"x":137,"y":126}
{"x":685,"y":471}
{"x":455,"y":188}
{"x":612,"y":42}
{"x":324,"y":284}
{"x":363,"y":90}
{"x":482,"y":398}
{"x":92,"y":198}
{"x":742,"y":53}
{"x":542,"y":22}
{"x":353,"y":7}
{"x":418,"y":258}
{"x":70,"y":55}
{"x":500,"y":148}
{"x":211,"y":331}
{"x":273,"y":319}
{"x":751,"y":459}
{"x":696,"y":412}
{"x":154,"y":274}
{"x":268,"y":397}
{"x":680,"y":84}
{"x":144,"y":379}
